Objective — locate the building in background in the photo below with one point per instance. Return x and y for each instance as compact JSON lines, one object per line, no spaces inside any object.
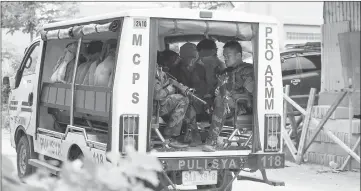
{"x":300,"y":22}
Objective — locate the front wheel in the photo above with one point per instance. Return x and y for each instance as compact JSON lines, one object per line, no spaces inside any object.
{"x":224,"y":177}
{"x":23,"y":156}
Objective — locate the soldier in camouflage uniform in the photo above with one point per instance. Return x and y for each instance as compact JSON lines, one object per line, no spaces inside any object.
{"x":172,"y":105}
{"x":170,"y":60}
{"x":237,"y":80}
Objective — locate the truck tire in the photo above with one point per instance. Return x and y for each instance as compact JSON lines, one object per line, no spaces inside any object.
{"x":23,"y":154}
{"x":223,"y":179}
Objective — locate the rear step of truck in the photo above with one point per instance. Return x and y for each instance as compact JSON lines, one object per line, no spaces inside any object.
{"x":42,"y":164}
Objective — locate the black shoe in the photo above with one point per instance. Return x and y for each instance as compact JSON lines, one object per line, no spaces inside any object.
{"x":196,"y":138}
{"x":210,"y":146}
{"x":177,"y":144}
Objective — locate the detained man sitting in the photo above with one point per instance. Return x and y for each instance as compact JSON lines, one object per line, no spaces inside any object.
{"x":170,"y":60}
{"x":172,"y":105}
{"x":236,"y":81}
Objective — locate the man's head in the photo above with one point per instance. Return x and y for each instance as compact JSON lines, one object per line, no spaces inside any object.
{"x":93,"y":49}
{"x":232,"y":52}
{"x":168,"y":58}
{"x":188,"y":51}
{"x":206,"y":48}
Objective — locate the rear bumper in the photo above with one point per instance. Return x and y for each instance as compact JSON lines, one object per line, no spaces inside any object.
{"x":253,"y":161}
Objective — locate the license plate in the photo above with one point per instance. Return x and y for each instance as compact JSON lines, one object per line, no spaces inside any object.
{"x":197,"y":178}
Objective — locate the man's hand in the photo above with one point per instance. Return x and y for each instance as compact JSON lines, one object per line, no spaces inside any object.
{"x":170,"y":89}
{"x":216,"y":92}
{"x":207,"y":96}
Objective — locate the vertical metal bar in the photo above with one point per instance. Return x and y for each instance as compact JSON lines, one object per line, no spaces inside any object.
{"x":272,"y":123}
{"x":269,"y":129}
{"x":276,"y":128}
{"x":266,"y":133}
{"x":128,"y":125}
{"x":123,"y":138}
{"x":73,"y":82}
{"x":276,"y":134}
{"x":135,"y":135}
{"x":350,"y":117}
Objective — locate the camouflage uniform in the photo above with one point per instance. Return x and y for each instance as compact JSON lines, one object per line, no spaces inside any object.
{"x":235,"y":82}
{"x":174,"y":105}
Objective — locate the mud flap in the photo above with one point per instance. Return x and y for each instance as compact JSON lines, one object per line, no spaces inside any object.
{"x":264,"y":179}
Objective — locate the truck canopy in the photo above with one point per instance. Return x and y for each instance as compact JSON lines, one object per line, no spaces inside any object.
{"x":170,"y":13}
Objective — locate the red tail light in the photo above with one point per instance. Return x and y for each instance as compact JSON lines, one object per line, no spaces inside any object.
{"x":129,"y":131}
{"x":272,"y":138}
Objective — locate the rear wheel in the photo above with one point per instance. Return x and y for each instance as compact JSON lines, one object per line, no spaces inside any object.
{"x":224,"y":177}
{"x":23,"y":151}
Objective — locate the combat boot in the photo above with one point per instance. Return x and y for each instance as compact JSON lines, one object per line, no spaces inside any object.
{"x":210,"y":145}
{"x":196,"y":138}
{"x":175,"y":143}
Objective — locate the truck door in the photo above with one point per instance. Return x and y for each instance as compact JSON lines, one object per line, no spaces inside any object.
{"x":22,"y":96}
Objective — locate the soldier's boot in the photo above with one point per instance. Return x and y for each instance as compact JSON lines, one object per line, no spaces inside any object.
{"x":196,"y":138}
{"x":190,"y":137}
{"x":213,"y":132}
{"x":175,"y":143}
{"x":210,"y":145}
{"x":211,"y":140}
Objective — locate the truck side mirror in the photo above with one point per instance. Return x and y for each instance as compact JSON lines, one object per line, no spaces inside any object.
{"x":6,"y":81}
{"x":10,"y":82}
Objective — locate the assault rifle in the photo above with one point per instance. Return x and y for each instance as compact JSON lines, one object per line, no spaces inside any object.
{"x":184,"y":90}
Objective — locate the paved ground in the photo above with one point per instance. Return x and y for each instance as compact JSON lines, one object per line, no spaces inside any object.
{"x":296,"y":178}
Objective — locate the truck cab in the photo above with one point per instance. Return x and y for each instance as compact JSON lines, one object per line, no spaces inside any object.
{"x":91,"y":92}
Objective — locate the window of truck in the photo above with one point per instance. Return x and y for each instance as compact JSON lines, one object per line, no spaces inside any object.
{"x":29,"y":62}
{"x":174,"y":33}
{"x":32,"y":60}
{"x":79,"y":93}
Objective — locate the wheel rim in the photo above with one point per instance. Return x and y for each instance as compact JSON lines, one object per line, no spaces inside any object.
{"x":22,"y":159}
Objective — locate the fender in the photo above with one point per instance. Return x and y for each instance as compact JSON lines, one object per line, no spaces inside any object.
{"x":19,"y":130}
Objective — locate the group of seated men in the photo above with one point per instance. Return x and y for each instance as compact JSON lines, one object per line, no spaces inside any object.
{"x":220,"y":84}
{"x":95,"y":68}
